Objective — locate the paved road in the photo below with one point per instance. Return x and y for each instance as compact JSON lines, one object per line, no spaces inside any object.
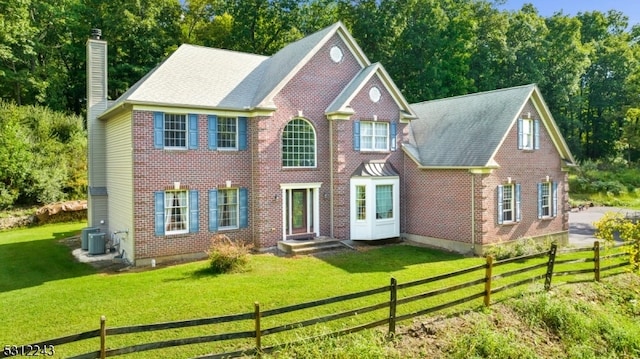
{"x":581,"y":224}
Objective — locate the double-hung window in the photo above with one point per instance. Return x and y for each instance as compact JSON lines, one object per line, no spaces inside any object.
{"x":174,"y":131}
{"x":547,"y":199}
{"x":528,"y":134}
{"x":508,"y":203}
{"x":227,"y":137}
{"x":227,"y":133}
{"x":228,"y":208}
{"x":374,"y":136}
{"x":176,"y":212}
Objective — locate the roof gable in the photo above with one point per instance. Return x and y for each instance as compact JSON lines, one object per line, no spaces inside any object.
{"x":196,"y":76}
{"x":340,"y":107}
{"x":467,"y":131}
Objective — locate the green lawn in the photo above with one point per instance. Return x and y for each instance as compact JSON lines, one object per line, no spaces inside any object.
{"x":46,"y":294}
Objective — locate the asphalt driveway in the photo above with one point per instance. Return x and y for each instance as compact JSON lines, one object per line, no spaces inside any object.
{"x":581,"y":224}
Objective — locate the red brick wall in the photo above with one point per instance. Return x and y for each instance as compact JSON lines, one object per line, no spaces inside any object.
{"x":201,"y":169}
{"x":311,"y":91}
{"x":528,"y":168}
{"x":438,"y":203}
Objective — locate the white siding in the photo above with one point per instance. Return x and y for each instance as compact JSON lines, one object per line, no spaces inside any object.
{"x":120,"y":179}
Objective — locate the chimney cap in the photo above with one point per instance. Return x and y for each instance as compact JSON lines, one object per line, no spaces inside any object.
{"x":96,"y":34}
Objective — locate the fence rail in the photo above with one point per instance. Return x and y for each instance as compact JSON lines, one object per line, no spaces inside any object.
{"x":391,"y":304}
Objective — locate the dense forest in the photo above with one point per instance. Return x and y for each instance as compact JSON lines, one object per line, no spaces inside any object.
{"x":587,"y":66}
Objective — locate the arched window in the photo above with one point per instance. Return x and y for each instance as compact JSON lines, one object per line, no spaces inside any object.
{"x":298,"y":144}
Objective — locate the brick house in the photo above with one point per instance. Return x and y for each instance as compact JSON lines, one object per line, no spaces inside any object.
{"x":312,"y":141}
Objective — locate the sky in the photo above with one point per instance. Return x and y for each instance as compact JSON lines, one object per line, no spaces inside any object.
{"x":546,"y":8}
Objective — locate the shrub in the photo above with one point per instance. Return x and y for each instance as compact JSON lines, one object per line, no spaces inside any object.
{"x":613,"y":224}
{"x":227,"y":256}
{"x":517,"y":248}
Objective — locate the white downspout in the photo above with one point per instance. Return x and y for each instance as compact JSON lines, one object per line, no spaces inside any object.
{"x":473,"y":213}
{"x":331,"y":178}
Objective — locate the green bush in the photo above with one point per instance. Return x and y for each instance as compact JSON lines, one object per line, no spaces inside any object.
{"x":227,"y":256}
{"x":517,"y":248}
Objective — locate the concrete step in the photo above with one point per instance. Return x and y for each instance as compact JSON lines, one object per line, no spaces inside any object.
{"x":310,"y":246}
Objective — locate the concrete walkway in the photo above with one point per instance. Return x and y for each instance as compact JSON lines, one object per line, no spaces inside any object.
{"x":581,"y":224}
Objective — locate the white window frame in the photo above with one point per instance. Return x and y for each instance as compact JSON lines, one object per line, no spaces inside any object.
{"x":169,"y":215}
{"x":167,"y":131}
{"x":527,"y":134}
{"x":361,"y":202}
{"x":371,"y":136}
{"x":221,"y":212}
{"x":379,"y":216}
{"x":286,"y":163}
{"x":549,"y":199}
{"x":219,"y":132}
{"x":511,"y":201}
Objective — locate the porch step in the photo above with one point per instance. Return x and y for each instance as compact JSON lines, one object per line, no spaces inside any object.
{"x":310,"y":246}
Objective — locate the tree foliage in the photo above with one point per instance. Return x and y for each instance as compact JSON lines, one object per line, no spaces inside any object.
{"x":42,"y":155}
{"x":587,"y":66}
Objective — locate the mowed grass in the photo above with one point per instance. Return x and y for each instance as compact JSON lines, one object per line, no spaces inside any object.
{"x":46,"y":294}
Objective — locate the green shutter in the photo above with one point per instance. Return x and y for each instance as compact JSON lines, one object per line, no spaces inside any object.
{"x":159,"y":213}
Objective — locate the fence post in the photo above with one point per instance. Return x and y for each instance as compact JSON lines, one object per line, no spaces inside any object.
{"x":550,"y":263}
{"x":487,"y":281}
{"x":103,"y":337}
{"x":257,"y":326}
{"x":393,"y":302}
{"x":596,"y":260}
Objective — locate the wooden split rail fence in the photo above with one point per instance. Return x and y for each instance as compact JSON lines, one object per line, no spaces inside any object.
{"x":389,"y":306}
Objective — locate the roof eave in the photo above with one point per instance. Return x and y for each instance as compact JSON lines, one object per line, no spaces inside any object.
{"x":150,"y":105}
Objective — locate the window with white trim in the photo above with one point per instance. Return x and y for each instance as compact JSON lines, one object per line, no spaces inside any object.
{"x":374,"y":136}
{"x":384,"y":201}
{"x":176,"y":212}
{"x":298,"y":144}
{"x":508,"y":203}
{"x":527,"y":134}
{"x":361,"y":203}
{"x":228,"y":208}
{"x":175,"y":131}
{"x":227,"y":134}
{"x":547,"y":199}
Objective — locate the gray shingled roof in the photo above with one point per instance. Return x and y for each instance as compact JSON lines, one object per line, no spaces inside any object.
{"x":200,"y":76}
{"x":342,"y":101}
{"x":197,"y":76}
{"x":464,"y":131}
